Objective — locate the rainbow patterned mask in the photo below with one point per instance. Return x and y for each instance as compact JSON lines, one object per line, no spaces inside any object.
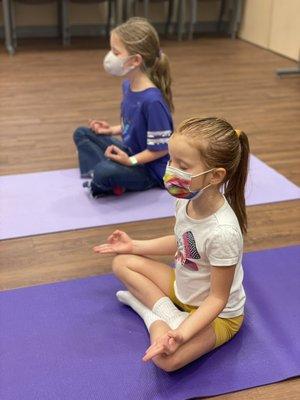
{"x":178,"y":183}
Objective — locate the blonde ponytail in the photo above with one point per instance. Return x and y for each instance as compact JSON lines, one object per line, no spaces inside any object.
{"x":235,"y":185}
{"x":160,"y":75}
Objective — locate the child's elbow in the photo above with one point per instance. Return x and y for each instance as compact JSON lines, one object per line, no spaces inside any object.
{"x":220,"y":302}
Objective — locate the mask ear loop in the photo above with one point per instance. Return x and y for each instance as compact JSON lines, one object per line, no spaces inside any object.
{"x":202,"y":173}
{"x":200,"y":190}
{"x":133,"y":55}
{"x":126,"y":59}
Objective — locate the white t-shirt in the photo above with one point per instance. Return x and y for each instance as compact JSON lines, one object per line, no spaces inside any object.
{"x":216,"y":240}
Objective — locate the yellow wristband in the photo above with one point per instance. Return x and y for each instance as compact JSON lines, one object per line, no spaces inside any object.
{"x":133,"y":160}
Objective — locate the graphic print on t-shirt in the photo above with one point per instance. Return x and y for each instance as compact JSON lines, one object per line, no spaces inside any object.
{"x":125,"y":127}
{"x":187,"y":250}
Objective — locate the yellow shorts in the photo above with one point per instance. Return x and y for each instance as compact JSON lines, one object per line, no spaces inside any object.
{"x":224,"y":328}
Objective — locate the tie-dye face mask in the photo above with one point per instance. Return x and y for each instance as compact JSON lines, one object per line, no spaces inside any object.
{"x":178,"y":183}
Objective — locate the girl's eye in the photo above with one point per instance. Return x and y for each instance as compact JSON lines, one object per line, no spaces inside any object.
{"x":183,"y":167}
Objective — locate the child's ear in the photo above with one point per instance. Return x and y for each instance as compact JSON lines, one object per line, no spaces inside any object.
{"x":138,"y":60}
{"x":218,"y":176}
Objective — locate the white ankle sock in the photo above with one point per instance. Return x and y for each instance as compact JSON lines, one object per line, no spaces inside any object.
{"x":145,"y":313}
{"x":165,"y":309}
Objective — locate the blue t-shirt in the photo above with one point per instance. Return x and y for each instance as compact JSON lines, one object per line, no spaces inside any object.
{"x":146,"y":124}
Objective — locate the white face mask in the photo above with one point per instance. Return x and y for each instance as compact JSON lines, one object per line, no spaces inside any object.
{"x":115,"y":65}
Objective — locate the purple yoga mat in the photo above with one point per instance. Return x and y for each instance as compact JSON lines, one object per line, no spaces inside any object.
{"x":74,"y":340}
{"x":55,"y":201}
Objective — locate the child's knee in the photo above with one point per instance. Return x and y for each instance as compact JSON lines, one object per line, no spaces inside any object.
{"x":167,"y":364}
{"x":124,"y":262}
{"x":119,"y":263}
{"x":80,"y":134}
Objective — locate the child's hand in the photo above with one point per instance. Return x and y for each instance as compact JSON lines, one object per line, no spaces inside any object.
{"x":116,"y":154}
{"x":164,"y":345}
{"x":118,"y":242}
{"x":100,"y":127}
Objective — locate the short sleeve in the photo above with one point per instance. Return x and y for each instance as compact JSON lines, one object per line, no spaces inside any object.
{"x":159,"y":126}
{"x":179,"y":203}
{"x":224,"y":246}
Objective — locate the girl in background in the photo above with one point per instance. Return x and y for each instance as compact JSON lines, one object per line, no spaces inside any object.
{"x":138,"y":161}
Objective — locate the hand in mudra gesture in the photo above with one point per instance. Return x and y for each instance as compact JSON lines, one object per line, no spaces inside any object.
{"x":165,"y":345}
{"x":118,"y":242}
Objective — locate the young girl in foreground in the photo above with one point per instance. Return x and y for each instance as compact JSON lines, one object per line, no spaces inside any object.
{"x":200,"y":305}
{"x":138,"y":161}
